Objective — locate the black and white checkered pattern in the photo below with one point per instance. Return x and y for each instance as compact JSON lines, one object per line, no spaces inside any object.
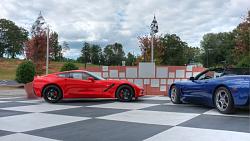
{"x":154,"y":26}
{"x":150,"y":118}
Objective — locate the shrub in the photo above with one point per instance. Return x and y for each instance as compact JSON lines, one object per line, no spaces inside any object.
{"x":25,"y":72}
{"x":245,"y":62}
{"x":69,"y":66}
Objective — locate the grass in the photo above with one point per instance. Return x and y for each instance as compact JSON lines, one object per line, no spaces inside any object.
{"x":8,"y":67}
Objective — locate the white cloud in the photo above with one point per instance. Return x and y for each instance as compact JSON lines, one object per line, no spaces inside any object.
{"x":72,"y":53}
{"x":123,"y":21}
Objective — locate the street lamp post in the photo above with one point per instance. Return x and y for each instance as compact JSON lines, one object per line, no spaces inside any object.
{"x":47,"y":52}
{"x":85,"y":55}
{"x":154,"y":30}
{"x":152,"y":47}
{"x":145,"y":51}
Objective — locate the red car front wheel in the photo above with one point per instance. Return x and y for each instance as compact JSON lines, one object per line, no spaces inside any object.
{"x":125,"y":93}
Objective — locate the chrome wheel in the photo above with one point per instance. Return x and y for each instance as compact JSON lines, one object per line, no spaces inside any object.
{"x":173,"y":94}
{"x":222,"y":100}
{"x":125,"y":94}
{"x":52,"y":94}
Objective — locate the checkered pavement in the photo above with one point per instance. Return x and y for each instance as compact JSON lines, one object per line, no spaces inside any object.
{"x":151,"y":118}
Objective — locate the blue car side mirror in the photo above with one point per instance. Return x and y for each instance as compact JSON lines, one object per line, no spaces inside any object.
{"x":191,"y":78}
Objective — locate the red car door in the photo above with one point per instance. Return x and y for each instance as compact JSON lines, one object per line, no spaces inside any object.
{"x":78,"y":85}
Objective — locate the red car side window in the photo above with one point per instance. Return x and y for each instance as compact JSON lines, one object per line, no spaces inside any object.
{"x":62,"y":75}
{"x":76,"y":75}
{"x":79,"y":75}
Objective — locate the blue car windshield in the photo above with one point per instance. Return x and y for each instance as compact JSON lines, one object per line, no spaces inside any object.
{"x":209,"y":74}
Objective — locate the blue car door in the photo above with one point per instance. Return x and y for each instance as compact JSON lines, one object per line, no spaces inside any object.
{"x":199,"y":89}
{"x":194,"y":90}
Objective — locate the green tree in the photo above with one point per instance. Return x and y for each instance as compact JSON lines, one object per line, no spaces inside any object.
{"x":65,"y":46}
{"x":173,"y":50}
{"x":102,"y":59}
{"x":12,"y":38}
{"x":114,"y":54}
{"x":244,"y":62}
{"x":145,"y":47}
{"x":130,"y":60}
{"x":95,"y":54}
{"x":168,"y":50}
{"x":55,"y":48}
{"x":85,"y":52}
{"x":192,"y":55}
{"x":80,"y":59}
{"x":242,"y":38}
{"x":217,"y":48}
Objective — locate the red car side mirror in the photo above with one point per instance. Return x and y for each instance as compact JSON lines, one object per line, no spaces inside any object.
{"x":91,"y":79}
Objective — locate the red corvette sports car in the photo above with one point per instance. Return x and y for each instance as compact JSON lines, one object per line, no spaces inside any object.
{"x":83,"y":84}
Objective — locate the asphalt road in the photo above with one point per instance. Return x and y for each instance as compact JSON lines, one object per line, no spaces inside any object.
{"x":151,"y":118}
{"x":8,"y":83}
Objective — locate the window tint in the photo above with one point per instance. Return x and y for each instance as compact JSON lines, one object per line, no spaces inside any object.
{"x":210,"y":75}
{"x":76,"y":75}
{"x":85,"y":76}
{"x":62,"y":75}
{"x":96,"y":77}
{"x":79,"y":75}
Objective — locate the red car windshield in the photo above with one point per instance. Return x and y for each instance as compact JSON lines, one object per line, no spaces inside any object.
{"x":97,"y":77}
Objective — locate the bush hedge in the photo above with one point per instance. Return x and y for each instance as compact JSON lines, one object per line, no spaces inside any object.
{"x":69,"y":66}
{"x":245,"y":62}
{"x":25,"y":72}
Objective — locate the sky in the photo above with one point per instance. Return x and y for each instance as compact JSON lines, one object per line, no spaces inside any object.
{"x":107,"y":21}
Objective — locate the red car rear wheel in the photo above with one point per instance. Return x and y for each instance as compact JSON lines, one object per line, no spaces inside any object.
{"x":52,"y":94}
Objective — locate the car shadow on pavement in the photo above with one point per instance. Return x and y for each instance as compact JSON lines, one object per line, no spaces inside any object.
{"x":85,"y":102}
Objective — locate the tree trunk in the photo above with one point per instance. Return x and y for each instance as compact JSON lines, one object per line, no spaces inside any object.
{"x":13,"y":55}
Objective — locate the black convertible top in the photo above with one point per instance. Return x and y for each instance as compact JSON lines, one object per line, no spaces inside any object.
{"x":232,"y":71}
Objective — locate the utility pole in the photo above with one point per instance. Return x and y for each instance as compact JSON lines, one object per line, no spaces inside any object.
{"x":154,"y":30}
{"x":152,"y":48}
{"x":85,"y":54}
{"x":144,"y":53}
{"x":47,"y":52}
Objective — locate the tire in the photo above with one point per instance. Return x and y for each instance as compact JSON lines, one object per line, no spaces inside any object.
{"x":125,"y":93}
{"x":52,"y":94}
{"x":223,"y":101}
{"x":175,"y":95}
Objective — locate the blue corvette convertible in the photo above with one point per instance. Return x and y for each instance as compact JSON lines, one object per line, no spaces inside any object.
{"x":224,"y":89}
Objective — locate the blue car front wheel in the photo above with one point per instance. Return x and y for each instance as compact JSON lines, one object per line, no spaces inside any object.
{"x":223,"y":101}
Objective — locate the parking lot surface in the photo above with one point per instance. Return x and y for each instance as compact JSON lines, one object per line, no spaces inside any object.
{"x":151,"y":118}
